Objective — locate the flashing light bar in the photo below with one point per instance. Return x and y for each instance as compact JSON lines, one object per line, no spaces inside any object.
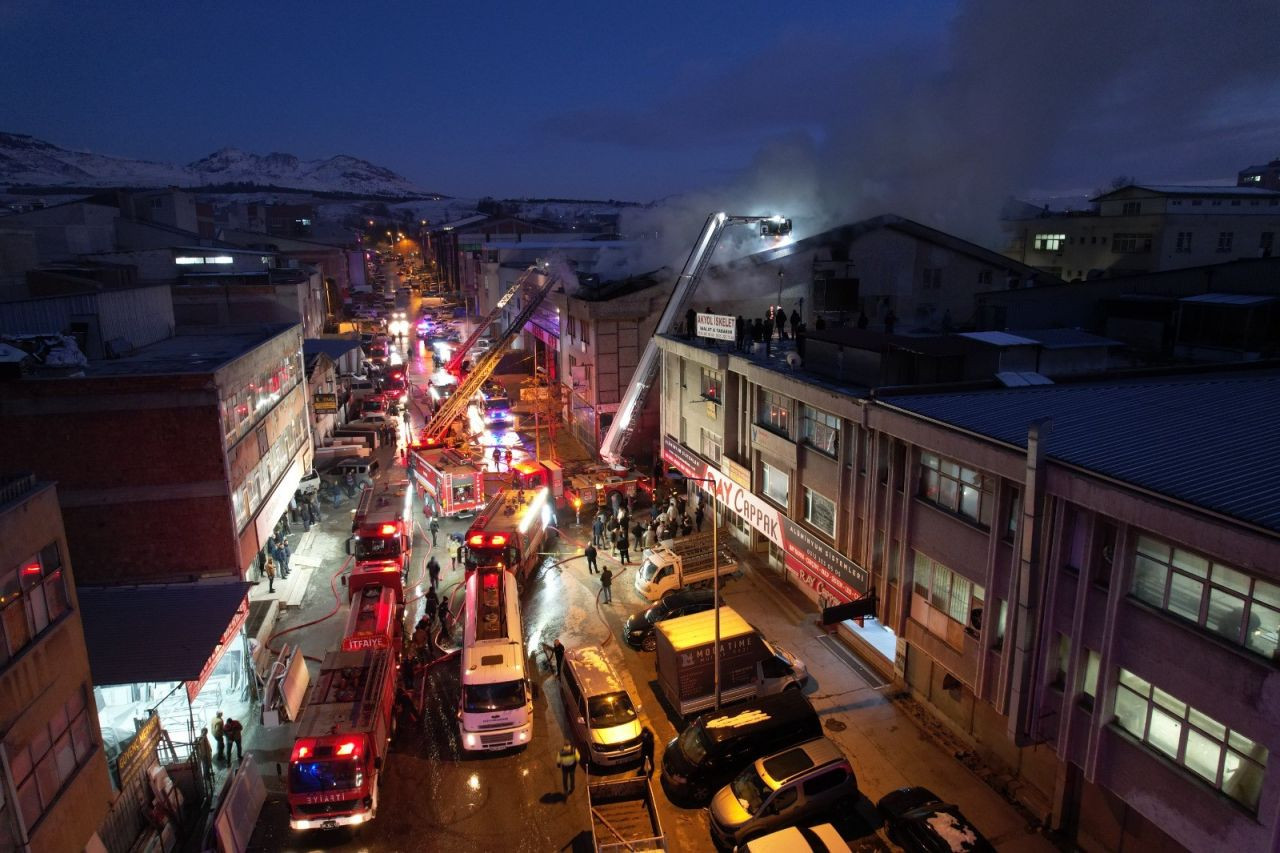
{"x":388,"y":529}
{"x":498,"y":539}
{"x":477,"y":539}
{"x":535,"y":506}
{"x":348,"y":748}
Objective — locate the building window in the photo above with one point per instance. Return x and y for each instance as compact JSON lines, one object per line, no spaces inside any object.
{"x":1050,"y":242}
{"x":984,"y":277}
{"x":1226,"y":760}
{"x":33,"y":596}
{"x":774,"y":413}
{"x":1062,"y":661}
{"x":1012,"y":515}
{"x":710,"y":445}
{"x":43,"y":765}
{"x":947,"y":592}
{"x":584,"y":331}
{"x":1184,"y":242}
{"x":1131,"y":208}
{"x":820,"y":512}
{"x":775,"y":484}
{"x":1237,"y":607}
{"x":932,"y":278}
{"x":572,"y":327}
{"x":710,"y":386}
{"x":1131,"y":244}
{"x":820,"y":430}
{"x":1225,"y":239}
{"x":1089,"y":682}
{"x":956,"y":488}
{"x":1265,"y":243}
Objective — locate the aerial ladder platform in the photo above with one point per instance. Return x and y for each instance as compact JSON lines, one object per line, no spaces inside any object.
{"x":460,"y":355}
{"x":437,"y":429}
{"x":624,"y":423}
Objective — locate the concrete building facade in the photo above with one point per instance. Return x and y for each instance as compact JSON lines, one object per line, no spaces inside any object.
{"x":175,"y":462}
{"x":54,"y":774}
{"x":1143,"y":228}
{"x":1041,"y":588}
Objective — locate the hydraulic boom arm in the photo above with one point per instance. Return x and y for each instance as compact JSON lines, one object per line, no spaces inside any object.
{"x":624,"y":422}
{"x":460,"y":355}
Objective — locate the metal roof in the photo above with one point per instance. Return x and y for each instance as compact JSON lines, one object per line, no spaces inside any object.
{"x":1066,"y":338}
{"x":1230,"y":298}
{"x":1207,"y":440}
{"x":1192,"y":190}
{"x":156,"y":632}
{"x":335,"y":348}
{"x":999,"y":339}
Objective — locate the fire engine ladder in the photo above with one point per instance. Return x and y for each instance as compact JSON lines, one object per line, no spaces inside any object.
{"x":624,"y":423}
{"x":451,"y":409}
{"x":491,"y":614}
{"x":458,"y":357}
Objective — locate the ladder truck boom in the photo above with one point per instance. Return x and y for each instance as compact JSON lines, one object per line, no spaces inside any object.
{"x":451,"y":409}
{"x":624,"y":423}
{"x":455,"y":362}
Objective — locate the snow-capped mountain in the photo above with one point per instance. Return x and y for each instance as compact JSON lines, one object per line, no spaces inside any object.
{"x":27,"y":161}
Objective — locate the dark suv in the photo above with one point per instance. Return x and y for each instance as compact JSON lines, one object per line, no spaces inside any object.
{"x":919,"y":822}
{"x":638,"y":630}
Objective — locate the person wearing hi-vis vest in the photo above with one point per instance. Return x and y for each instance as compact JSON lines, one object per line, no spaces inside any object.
{"x":567,"y":761}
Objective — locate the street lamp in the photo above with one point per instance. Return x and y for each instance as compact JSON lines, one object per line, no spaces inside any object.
{"x":715,"y":580}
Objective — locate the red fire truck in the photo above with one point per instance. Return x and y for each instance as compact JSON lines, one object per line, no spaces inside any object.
{"x":593,"y":487}
{"x":382,"y":538}
{"x":342,"y":741}
{"x":376,"y":621}
{"x":449,"y":482}
{"x":512,"y":532}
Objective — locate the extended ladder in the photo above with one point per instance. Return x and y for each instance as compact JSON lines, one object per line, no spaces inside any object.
{"x":459,"y":356}
{"x":624,"y":422}
{"x":491,"y":603}
{"x":451,"y":409}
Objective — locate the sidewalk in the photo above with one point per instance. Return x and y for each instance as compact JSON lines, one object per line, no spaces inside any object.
{"x":880,"y":729}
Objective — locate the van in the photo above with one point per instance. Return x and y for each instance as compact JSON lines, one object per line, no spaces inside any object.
{"x":716,"y":746}
{"x":782,"y":790}
{"x":601,"y":716}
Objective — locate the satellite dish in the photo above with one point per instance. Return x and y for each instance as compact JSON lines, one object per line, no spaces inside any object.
{"x":793,"y":359}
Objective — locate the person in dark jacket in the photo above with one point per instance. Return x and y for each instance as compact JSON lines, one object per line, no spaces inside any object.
{"x":590,"y":553}
{"x":795,"y":320}
{"x":646,"y":751}
{"x":606,"y":585}
{"x":690,"y":324}
{"x":780,"y":320}
{"x":558,"y":651}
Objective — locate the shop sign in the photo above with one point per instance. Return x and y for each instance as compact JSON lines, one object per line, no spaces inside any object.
{"x":136,"y":757}
{"x":720,"y":327}
{"x":324,"y":404}
{"x":834,"y":574}
{"x":242,"y":612}
{"x":738,"y":473}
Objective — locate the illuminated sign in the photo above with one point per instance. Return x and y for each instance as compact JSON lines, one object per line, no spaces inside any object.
{"x":214,"y":259}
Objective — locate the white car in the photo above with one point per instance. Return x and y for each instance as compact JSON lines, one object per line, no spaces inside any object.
{"x":310,"y":484}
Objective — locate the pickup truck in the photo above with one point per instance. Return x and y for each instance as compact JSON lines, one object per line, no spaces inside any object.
{"x":749,"y":665}
{"x":687,"y":562}
{"x":624,"y":816}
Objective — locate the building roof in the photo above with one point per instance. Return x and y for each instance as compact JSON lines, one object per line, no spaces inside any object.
{"x":1066,"y":338}
{"x":335,"y":348}
{"x":182,"y":353}
{"x":1191,"y":190}
{"x":156,"y":632}
{"x":1230,"y":298}
{"x":1208,"y":440}
{"x":999,"y":339}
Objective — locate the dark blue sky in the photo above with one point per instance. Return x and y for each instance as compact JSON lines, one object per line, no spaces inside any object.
{"x":645,"y":99}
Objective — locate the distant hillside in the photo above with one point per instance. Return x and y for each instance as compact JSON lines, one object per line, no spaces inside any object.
{"x":27,"y":161}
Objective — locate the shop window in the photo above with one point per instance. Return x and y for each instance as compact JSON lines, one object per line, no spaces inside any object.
{"x":953,"y":487}
{"x":1237,"y":607}
{"x":1225,"y":759}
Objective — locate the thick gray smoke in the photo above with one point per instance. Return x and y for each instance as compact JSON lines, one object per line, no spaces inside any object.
{"x":1047,"y":95}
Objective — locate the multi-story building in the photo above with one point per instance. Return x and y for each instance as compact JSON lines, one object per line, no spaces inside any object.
{"x":54,"y":773}
{"x":1266,"y":176}
{"x":1079,"y":579}
{"x":173,"y":462}
{"x":1149,"y":228}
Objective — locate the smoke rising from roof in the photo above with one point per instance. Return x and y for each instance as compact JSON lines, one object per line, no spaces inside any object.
{"x":1017,"y":95}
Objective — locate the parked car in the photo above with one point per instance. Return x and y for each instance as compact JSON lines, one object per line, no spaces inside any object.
{"x":822,"y":838}
{"x":363,"y":469}
{"x":600,"y":714}
{"x":782,"y":790}
{"x":638,"y":630}
{"x":309,"y":484}
{"x":918,"y":822}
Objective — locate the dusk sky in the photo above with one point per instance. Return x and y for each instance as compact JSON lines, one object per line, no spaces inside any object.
{"x":645,"y":100}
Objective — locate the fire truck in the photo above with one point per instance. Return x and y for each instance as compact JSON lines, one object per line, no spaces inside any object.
{"x":449,"y":482}
{"x":342,"y":741}
{"x":594,"y":487}
{"x":511,"y":532}
{"x":382,"y":538}
{"x":495,"y":709}
{"x":376,"y":621}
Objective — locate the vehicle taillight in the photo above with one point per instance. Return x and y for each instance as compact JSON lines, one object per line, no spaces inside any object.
{"x":389,"y":529}
{"x":498,"y":539}
{"x":348,"y":748}
{"x":477,"y":539}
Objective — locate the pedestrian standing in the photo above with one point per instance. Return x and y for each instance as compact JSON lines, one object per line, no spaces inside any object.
{"x":597,"y":530}
{"x":446,"y":618}
{"x":590,"y":553}
{"x":435,"y":530}
{"x":646,"y":751}
{"x":433,"y":572}
{"x":204,"y":754}
{"x":233,"y":732}
{"x":349,"y":482}
{"x":780,"y":318}
{"x":453,"y":548}
{"x":651,"y":536}
{"x":690,"y":324}
{"x":216,"y":726}
{"x":637,"y":530}
{"x":795,"y":320}
{"x":623,"y":547}
{"x":697,"y":517}
{"x":558,"y":651}
{"x":269,"y":569}
{"x":606,"y":584}
{"x":432,"y":605}
{"x":738,"y":332}
{"x":567,"y":761}
{"x":686,"y":525}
